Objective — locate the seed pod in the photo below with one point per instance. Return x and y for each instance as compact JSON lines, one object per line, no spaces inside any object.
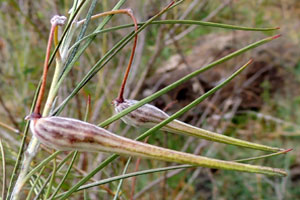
{"x":71,"y":134}
{"x":148,"y":116}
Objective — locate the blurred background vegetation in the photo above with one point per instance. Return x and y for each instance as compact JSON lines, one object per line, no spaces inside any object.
{"x":261,"y":105}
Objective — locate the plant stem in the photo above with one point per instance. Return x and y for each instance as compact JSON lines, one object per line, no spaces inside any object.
{"x":52,"y":179}
{"x":121,"y":181}
{"x":34,"y":143}
{"x":45,"y":72}
{"x":3,"y":171}
{"x":120,"y":98}
{"x":66,"y":174}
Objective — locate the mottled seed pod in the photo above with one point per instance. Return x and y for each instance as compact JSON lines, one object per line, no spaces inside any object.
{"x":148,"y":116}
{"x":71,"y":134}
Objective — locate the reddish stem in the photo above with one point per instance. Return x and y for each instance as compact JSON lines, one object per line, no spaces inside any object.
{"x":120,"y":98}
{"x":37,"y":109}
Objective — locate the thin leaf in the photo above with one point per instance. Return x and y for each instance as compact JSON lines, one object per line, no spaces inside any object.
{"x":121,"y":181}
{"x":263,"y":156}
{"x":185,"y":22}
{"x":184,"y":79}
{"x":51,"y":180}
{"x":60,"y":165}
{"x":39,"y":166}
{"x":3,"y":171}
{"x":80,"y":36}
{"x":124,"y":176}
{"x":66,"y":174}
{"x":35,"y":183}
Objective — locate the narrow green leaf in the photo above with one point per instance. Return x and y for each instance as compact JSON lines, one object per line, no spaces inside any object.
{"x":35,"y":183}
{"x":39,"y":166}
{"x":184,"y":79}
{"x":3,"y":194}
{"x":263,"y":156}
{"x":124,"y":176}
{"x":66,"y":174}
{"x":60,"y":165}
{"x":68,"y":66}
{"x":121,"y":181}
{"x":184,"y":22}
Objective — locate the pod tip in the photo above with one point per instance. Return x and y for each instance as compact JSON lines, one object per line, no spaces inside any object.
{"x":288,"y":150}
{"x":276,"y":36}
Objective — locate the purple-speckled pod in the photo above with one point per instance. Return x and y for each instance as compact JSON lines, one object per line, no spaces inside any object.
{"x":148,"y":116}
{"x":71,"y":134}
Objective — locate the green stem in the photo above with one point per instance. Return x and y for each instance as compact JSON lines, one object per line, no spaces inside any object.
{"x":3,"y":194}
{"x":51,"y":180}
{"x":39,"y":166}
{"x":263,"y":156}
{"x":184,"y":22}
{"x":35,"y":183}
{"x":124,"y":176}
{"x":121,"y":181}
{"x":66,"y":174}
{"x":60,"y":165}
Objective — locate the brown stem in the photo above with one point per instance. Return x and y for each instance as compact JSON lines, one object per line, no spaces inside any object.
{"x":37,"y":109}
{"x":120,"y":98}
{"x":55,"y":21}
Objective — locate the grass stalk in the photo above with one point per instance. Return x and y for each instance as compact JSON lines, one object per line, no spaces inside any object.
{"x":75,"y":153}
{"x":60,"y":165}
{"x":183,"y":22}
{"x":51,"y":180}
{"x":35,"y":183}
{"x":124,"y":176}
{"x":121,"y":181}
{"x":3,"y":194}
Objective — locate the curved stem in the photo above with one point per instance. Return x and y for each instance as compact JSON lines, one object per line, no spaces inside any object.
{"x":120,"y":98}
{"x":55,"y":22}
{"x":129,"y":12}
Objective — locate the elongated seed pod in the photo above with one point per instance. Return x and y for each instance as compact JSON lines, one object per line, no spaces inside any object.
{"x":71,"y":134}
{"x":148,"y":116}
